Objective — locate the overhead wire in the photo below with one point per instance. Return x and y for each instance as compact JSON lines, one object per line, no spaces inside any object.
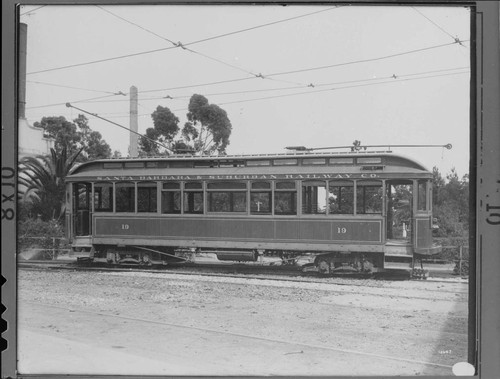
{"x":77,"y":101}
{"x":363,"y":60}
{"x":456,"y":39}
{"x":304,"y":69}
{"x":177,"y":45}
{"x":184,"y":46}
{"x":393,"y":79}
{"x":31,"y":11}
{"x":393,"y":76}
{"x":70,"y":87}
{"x":333,"y":89}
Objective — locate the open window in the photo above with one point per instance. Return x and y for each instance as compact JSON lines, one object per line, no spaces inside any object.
{"x":147,"y":197}
{"x":193,"y":198}
{"x":285,"y":198}
{"x":369,"y":197}
{"x":171,"y":198}
{"x":125,"y":196}
{"x":313,"y":197}
{"x":341,"y":197}
{"x":260,"y":198}
{"x":227,"y":197}
{"x":103,"y":197}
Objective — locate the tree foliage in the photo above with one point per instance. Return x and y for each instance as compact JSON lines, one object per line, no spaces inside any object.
{"x":166,"y":127}
{"x":75,"y":136}
{"x":42,"y":183}
{"x":451,"y":206}
{"x":208,"y":127}
{"x":207,"y":130}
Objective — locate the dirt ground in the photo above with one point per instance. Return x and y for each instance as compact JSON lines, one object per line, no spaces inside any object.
{"x":137,"y":323}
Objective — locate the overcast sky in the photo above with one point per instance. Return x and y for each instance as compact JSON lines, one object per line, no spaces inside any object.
{"x":311,"y":75}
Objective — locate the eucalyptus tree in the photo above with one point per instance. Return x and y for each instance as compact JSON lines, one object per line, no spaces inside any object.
{"x":206,"y":131}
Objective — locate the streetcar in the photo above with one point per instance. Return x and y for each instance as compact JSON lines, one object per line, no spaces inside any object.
{"x":352,"y":212}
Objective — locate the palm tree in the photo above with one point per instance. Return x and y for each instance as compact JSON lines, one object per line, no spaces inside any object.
{"x":42,"y":182}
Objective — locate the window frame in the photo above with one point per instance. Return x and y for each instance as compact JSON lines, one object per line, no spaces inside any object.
{"x":294,"y":201}
{"x":231,"y":192}
{"x":168,"y":191}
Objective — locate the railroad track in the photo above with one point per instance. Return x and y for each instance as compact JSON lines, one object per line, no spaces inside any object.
{"x":247,"y":272}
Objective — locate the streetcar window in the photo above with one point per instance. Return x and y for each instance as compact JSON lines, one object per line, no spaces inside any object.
{"x":229,"y":197}
{"x":125,"y":197}
{"x":285,"y":162}
{"x":341,"y":161}
{"x":341,"y":197}
{"x":314,"y":161}
{"x":171,"y":185}
{"x":112,"y":165}
{"x":181,"y":164}
{"x":258,"y":163}
{"x":231,"y":164}
{"x":171,"y":198}
{"x":227,"y":185}
{"x":370,"y":160}
{"x":146,"y":197}
{"x":285,"y":185}
{"x":285,"y":198}
{"x":193,"y":197}
{"x":260,"y":200}
{"x":421,"y":195}
{"x":313,"y":197}
{"x":227,"y":201}
{"x":261,"y":185}
{"x":193,"y":185}
{"x":134,"y":164}
{"x":369,"y":197}
{"x":81,"y":199}
{"x":103,"y":197}
{"x":205,"y":164}
{"x":193,"y":202}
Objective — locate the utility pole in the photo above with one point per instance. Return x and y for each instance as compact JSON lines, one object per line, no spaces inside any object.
{"x":133,"y":145}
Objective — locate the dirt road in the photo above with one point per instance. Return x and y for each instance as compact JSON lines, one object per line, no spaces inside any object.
{"x":134,"y":323}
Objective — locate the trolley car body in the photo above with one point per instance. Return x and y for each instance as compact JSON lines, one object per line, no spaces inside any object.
{"x":350,"y":212}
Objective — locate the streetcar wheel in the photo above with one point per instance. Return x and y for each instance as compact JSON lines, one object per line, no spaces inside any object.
{"x":323,"y":266}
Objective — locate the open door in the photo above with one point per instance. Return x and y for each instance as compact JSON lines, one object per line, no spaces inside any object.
{"x":82,"y":209}
{"x":399,"y":211}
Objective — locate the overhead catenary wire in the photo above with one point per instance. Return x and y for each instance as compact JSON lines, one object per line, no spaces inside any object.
{"x":184,"y":46}
{"x":363,"y":60}
{"x":456,"y":39}
{"x":304,"y":69}
{"x":175,"y":46}
{"x":332,"y":89}
{"x":393,"y":79}
{"x":31,"y":11}
{"x":71,"y":87}
{"x":76,"y":101}
{"x":393,"y":76}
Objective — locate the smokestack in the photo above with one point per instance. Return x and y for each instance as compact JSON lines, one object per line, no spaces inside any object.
{"x":21,"y":99}
{"x":133,"y":149}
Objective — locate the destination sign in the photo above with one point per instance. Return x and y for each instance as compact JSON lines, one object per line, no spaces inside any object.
{"x":236,"y":177}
